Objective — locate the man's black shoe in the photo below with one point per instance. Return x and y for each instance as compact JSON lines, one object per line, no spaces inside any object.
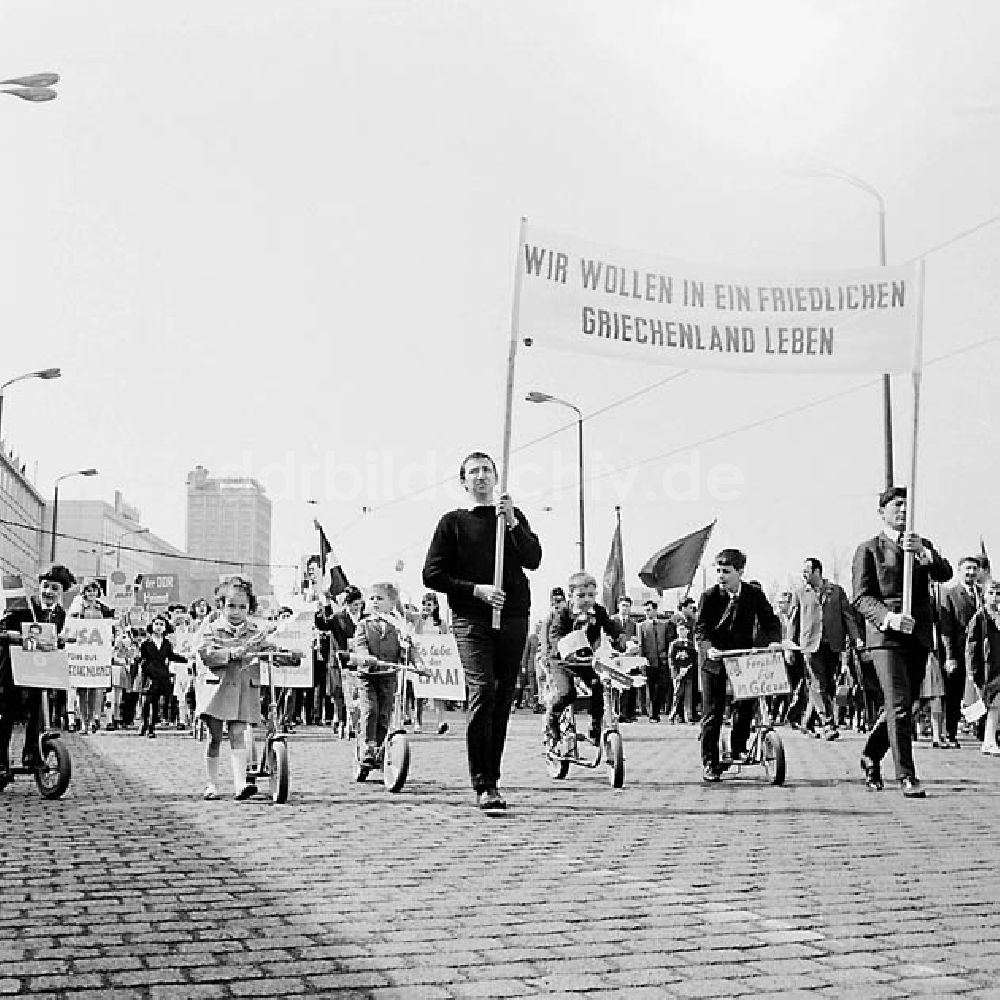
{"x":873,"y":774}
{"x":911,"y":788}
{"x":710,"y":774}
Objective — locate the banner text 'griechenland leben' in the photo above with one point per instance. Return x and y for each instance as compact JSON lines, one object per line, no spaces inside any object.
{"x":633,"y":306}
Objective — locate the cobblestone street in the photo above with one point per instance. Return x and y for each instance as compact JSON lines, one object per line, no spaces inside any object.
{"x":132,"y":886}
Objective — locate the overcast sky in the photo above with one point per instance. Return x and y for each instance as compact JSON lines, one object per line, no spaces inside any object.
{"x":279,"y":240}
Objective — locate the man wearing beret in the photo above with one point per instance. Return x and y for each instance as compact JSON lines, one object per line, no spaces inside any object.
{"x":899,"y":642}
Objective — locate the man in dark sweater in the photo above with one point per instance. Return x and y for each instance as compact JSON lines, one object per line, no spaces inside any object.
{"x":729,"y":616}
{"x":459,"y":564}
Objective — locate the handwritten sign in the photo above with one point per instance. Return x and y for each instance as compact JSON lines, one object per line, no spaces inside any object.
{"x":439,"y":655}
{"x":753,"y":675}
{"x":37,"y":663}
{"x":90,"y":645}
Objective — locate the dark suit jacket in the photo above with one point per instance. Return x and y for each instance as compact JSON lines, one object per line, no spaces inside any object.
{"x":955,"y":614}
{"x":754,"y":618}
{"x":654,"y":641}
{"x":877,"y":576}
{"x":627,"y":625}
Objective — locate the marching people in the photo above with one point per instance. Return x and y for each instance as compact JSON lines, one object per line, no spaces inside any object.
{"x":19,"y":701}
{"x":547,"y":652}
{"x":982,"y":659}
{"x":229,"y":647}
{"x":341,"y":624}
{"x":624,"y":620}
{"x":822,"y":621}
{"x":431,"y":623}
{"x":655,"y":635}
{"x":460,"y":564}
{"x":729,"y":615}
{"x":959,"y":602}
{"x":898,"y":642}
{"x":90,"y":699}
{"x":586,"y":615}
{"x":377,"y":638}
{"x":155,"y":656}
{"x":682,"y":659}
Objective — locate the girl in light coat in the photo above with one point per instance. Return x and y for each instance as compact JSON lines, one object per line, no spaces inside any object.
{"x":229,"y":645}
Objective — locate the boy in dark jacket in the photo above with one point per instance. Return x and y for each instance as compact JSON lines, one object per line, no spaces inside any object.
{"x":585,"y":614}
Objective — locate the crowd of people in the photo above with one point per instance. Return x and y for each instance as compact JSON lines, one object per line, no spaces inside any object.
{"x":868,"y":660}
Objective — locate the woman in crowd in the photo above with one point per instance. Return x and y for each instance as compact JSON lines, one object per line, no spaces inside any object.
{"x":430,"y":623}
{"x":155,"y":656}
{"x":90,"y":699}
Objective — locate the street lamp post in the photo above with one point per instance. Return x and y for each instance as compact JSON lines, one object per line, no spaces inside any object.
{"x":55,"y":504}
{"x":837,"y":174}
{"x":544,"y":397}
{"x":118,"y":544}
{"x":44,"y":373}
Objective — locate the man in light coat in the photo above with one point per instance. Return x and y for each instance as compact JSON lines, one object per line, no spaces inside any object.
{"x":821,"y":622}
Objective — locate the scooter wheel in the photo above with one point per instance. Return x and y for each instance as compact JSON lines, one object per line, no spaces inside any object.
{"x":397,"y":762}
{"x":616,"y":758}
{"x":53,"y":776}
{"x":279,"y":771}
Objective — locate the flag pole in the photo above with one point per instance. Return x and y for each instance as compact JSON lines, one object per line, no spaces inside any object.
{"x":911,"y":499}
{"x":505,"y":460}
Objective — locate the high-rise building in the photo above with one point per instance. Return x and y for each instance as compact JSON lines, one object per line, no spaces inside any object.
{"x":229,"y":520}
{"x":22,"y":516}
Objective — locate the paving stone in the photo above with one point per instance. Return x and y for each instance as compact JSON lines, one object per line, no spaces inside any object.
{"x":665,"y":889}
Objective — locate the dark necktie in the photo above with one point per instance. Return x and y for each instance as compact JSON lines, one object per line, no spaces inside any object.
{"x":729,"y":615}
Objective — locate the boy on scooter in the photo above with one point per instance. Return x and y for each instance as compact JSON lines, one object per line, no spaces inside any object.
{"x":584,"y":614}
{"x":376,"y":638}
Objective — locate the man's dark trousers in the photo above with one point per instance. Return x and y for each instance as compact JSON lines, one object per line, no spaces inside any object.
{"x":900,"y":671}
{"x":713,"y":695}
{"x":658,"y":679}
{"x":491,"y":661}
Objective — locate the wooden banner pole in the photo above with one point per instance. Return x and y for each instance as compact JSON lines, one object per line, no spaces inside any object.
{"x":911,"y":492}
{"x":505,"y":459}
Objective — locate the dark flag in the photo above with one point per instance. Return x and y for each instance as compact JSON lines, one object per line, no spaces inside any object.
{"x":338,"y":578}
{"x":614,"y":572}
{"x":675,"y":564}
{"x":984,"y":559}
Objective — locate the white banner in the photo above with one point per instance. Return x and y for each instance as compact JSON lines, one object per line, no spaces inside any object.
{"x":295,"y":634}
{"x":89,"y":647}
{"x":635,"y":306}
{"x":439,"y":655}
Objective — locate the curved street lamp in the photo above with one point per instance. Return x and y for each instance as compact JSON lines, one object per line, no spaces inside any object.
{"x":118,"y":544}
{"x":44,"y":373}
{"x":544,"y":397}
{"x":55,"y":504}
{"x":35,"y":88}
{"x":835,"y":173}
